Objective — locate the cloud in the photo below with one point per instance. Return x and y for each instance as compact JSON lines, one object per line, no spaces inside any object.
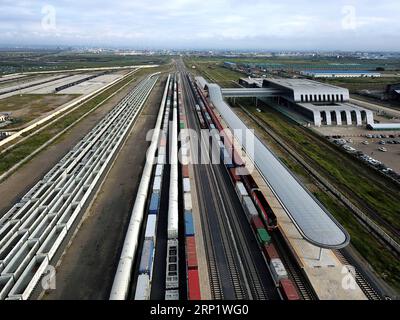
{"x":294,"y":24}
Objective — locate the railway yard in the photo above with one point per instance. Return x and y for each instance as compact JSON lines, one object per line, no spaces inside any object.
{"x":135,"y":184}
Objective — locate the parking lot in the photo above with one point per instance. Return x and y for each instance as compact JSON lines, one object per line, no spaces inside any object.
{"x":379,"y":150}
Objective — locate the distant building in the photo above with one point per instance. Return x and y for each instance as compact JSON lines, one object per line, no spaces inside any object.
{"x":229,"y":65}
{"x":394,"y":91}
{"x":325,"y":104}
{"x":340,"y":74}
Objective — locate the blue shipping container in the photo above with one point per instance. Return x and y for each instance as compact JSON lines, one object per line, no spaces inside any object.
{"x":154,"y":203}
{"x":146,"y":261}
{"x":189,"y":227}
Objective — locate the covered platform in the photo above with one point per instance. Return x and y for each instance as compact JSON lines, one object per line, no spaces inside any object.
{"x":312,"y":220}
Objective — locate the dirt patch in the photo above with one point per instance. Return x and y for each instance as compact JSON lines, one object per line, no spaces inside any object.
{"x":89,"y":264}
{"x":26,"y":107}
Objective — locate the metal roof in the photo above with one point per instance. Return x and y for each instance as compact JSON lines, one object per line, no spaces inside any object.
{"x":339,"y":72}
{"x":310,"y":218}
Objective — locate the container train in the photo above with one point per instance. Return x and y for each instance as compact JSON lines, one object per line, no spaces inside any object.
{"x":257,"y":209}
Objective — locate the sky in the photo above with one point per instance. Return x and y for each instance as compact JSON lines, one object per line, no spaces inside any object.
{"x":367,"y":25}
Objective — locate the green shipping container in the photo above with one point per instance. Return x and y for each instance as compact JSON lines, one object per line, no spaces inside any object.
{"x":182,"y":125}
{"x":263,"y":236}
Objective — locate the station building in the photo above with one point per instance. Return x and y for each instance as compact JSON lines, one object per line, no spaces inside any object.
{"x":322,"y":104}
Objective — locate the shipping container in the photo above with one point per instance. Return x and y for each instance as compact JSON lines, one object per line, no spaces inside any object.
{"x":151,"y":225}
{"x":157,"y":184}
{"x":240,"y":190}
{"x":256,"y":223}
{"x":212,"y":127}
{"x":249,"y":207}
{"x":232,"y":172}
{"x":270,"y":252}
{"x":161,"y":151}
{"x":265,"y":209}
{"x":187,"y":200}
{"x":263,"y":236}
{"x":186,"y":185}
{"x":189,"y":226}
{"x":159,"y":170}
{"x":278,"y":270}
{"x":143,"y":287}
{"x":154,"y":203}
{"x":171,"y":294}
{"x":181,"y":125}
{"x":185,"y":171}
{"x":146,"y":261}
{"x":249,"y":183}
{"x":191,"y":254}
{"x":288,"y":290}
{"x":193,"y":285}
{"x":161,"y":159}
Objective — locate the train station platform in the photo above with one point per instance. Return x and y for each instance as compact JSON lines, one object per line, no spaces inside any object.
{"x":329,"y":277}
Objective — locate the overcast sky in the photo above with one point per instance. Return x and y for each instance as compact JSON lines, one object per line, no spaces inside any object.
{"x":241,"y":24}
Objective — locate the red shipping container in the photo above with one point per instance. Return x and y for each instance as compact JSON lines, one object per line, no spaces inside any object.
{"x":193,"y":285}
{"x":185,"y":171}
{"x":288,"y":290}
{"x":234,"y":176}
{"x":191,"y":256}
{"x":257,"y":223}
{"x":163,"y":142}
{"x":270,"y":252}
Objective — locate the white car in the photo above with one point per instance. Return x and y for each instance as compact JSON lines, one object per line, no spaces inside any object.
{"x":383,"y":149}
{"x":365,"y":142}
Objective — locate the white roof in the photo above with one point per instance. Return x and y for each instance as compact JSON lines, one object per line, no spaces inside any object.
{"x":310,"y":218}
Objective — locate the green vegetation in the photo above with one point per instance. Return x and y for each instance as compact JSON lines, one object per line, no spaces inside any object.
{"x":24,"y":149}
{"x":215,"y":72}
{"x":341,"y":170}
{"x":357,"y":84}
{"x":27,"y":107}
{"x":381,"y":260}
{"x":43,"y":60}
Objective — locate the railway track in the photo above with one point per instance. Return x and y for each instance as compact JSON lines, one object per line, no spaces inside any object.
{"x":305,"y":289}
{"x":218,"y":279}
{"x":244,"y":274}
{"x":368,"y":290}
{"x":365,"y":286}
{"x":305,"y":160}
{"x":35,"y":229}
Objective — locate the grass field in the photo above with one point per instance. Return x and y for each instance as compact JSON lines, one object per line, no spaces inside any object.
{"x":43,"y":60}
{"x":345,"y":174}
{"x":380,"y":259}
{"x":215,"y":72}
{"x":26,"y":107}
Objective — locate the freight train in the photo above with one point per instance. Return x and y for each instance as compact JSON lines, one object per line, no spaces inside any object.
{"x":256,"y":207}
{"x":143,"y":284}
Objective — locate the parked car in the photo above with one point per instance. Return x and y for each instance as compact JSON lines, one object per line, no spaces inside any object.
{"x":365,"y":142}
{"x":383,"y":149}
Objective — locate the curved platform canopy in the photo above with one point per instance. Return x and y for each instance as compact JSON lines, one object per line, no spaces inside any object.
{"x":311,"y":219}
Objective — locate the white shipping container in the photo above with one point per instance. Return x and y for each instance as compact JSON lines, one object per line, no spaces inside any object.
{"x":159,"y":170}
{"x":241,"y":190}
{"x":143,"y":287}
{"x":187,"y":200}
{"x":161,"y":151}
{"x":186,"y":185}
{"x":150,"y":232}
{"x":161,"y":159}
{"x":278,"y":270}
{"x":157,"y":184}
{"x":249,"y":206}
